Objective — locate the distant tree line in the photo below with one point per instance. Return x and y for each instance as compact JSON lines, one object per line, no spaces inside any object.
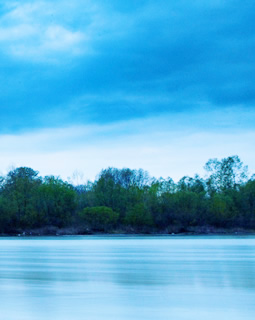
{"x":125,"y":200}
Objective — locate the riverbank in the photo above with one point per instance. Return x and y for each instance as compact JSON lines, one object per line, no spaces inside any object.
{"x":54,"y":231}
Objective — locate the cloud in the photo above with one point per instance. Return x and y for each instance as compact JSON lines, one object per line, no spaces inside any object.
{"x":67,"y":63}
{"x":16,"y":33}
{"x":165,"y":146}
{"x":58,"y":38}
{"x":183,"y":156}
{"x":43,"y":30}
{"x":29,"y":31}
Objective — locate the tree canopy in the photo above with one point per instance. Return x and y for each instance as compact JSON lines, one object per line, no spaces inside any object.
{"x":125,"y":200}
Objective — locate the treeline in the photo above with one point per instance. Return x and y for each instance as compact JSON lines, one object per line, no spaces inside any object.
{"x":125,"y":200}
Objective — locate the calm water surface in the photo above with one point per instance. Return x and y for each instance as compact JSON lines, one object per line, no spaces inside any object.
{"x":119,"y":278}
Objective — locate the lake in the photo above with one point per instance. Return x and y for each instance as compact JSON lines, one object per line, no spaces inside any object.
{"x":127,"y":277}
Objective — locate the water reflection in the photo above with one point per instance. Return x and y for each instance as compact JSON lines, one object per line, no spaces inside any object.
{"x":127,"y":277}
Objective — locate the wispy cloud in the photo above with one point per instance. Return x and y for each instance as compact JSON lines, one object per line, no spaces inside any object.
{"x":30,"y":31}
{"x":165,"y":147}
{"x":41,"y":30}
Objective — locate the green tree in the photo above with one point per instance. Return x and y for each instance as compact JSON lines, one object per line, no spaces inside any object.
{"x":20,"y":188}
{"x":57,"y":202}
{"x":246,"y":204}
{"x":222,"y":210}
{"x":139,"y":217}
{"x":120,"y":189}
{"x":228,"y":173}
{"x":99,"y":218}
{"x":6,"y":215}
{"x":195,"y":184}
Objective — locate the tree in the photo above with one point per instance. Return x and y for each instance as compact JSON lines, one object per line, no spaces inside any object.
{"x":222,"y":210}
{"x":139,"y":217}
{"x":228,"y":173}
{"x":195,"y":184}
{"x":125,"y":177}
{"x":57,"y":203}
{"x":99,"y":218}
{"x":20,"y":188}
{"x":162,"y":186}
{"x":120,"y":189}
{"x":246,"y":204}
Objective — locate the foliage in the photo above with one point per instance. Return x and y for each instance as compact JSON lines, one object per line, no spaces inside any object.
{"x":20,"y":189}
{"x":126,"y":199}
{"x":99,"y":218}
{"x":225,"y":174}
{"x":138,"y":216}
{"x":56,"y":202}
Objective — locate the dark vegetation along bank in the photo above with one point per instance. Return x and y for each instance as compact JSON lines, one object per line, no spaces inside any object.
{"x":129,"y":201}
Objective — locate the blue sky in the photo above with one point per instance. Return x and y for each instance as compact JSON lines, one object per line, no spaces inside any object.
{"x":159,"y":85}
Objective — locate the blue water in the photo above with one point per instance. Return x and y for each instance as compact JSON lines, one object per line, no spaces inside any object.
{"x":115,"y":278}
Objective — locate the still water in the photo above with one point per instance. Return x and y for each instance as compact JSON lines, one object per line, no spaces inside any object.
{"x":119,"y":278}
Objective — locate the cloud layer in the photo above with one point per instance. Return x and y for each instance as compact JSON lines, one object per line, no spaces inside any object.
{"x":99,"y":64}
{"x":164,"y":146}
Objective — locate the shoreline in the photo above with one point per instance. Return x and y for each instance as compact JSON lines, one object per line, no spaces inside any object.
{"x":61,"y":232}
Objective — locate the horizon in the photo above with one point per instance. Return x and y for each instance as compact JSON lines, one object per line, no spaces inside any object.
{"x":78,"y":178}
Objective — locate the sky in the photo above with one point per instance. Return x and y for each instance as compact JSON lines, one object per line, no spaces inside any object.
{"x":159,"y":85}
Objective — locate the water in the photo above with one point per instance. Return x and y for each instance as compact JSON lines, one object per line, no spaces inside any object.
{"x":119,"y":278}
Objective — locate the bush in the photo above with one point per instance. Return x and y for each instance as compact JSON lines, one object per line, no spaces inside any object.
{"x":99,"y":218}
{"x":138,"y":216}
